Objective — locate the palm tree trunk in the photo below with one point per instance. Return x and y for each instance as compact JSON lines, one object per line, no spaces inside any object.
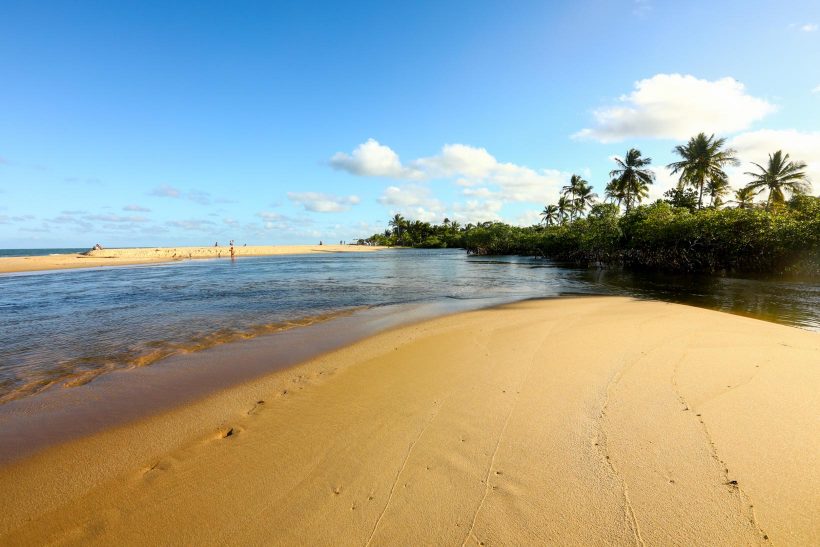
{"x":700,"y":196}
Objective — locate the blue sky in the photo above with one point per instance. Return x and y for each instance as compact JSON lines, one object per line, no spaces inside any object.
{"x":157,"y":123}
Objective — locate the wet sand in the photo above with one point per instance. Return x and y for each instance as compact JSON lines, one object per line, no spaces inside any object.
{"x":573,"y":421}
{"x":152,"y":255}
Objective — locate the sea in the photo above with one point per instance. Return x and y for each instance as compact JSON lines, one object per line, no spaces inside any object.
{"x":68,"y":327}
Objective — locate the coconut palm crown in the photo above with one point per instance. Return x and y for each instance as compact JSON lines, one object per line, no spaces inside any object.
{"x":779,"y":176}
{"x":703,"y":160}
{"x":631,"y":180}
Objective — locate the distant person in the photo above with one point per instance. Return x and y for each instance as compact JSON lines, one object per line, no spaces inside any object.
{"x":97,"y":247}
{"x":216,"y":244}
{"x":232,"y":253}
{"x":320,"y":242}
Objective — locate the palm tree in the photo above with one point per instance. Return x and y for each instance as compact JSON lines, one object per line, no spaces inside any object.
{"x":397,"y":222}
{"x":584,"y":197}
{"x":745,"y":197}
{"x":631,"y":179}
{"x":703,"y":160}
{"x":564,"y":207}
{"x":614,"y":192}
{"x":576,"y":182}
{"x":717,"y":188}
{"x":549,"y":215}
{"x":778,"y":176}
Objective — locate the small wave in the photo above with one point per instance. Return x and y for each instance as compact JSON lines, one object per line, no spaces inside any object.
{"x":80,"y":371}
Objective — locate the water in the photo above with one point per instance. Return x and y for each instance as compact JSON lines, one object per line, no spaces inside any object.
{"x":40,"y":252}
{"x":70,"y":326}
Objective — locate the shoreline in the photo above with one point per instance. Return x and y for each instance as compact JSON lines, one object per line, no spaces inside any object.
{"x":159,"y":255}
{"x":78,"y":406}
{"x":520,"y":430}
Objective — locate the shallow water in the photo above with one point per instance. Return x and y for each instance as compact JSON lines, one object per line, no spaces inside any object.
{"x":72,"y":325}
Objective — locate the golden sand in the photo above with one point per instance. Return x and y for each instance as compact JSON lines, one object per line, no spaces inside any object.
{"x":577,"y":421}
{"x":151,"y":255}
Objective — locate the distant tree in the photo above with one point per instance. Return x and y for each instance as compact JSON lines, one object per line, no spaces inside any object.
{"x":549,"y":215}
{"x":716,"y":189}
{"x":613,"y":192}
{"x":631,"y":180}
{"x":399,"y":224}
{"x":780,"y":175}
{"x":564,"y":207}
{"x":703,"y":160}
{"x":745,"y":197}
{"x":584,"y":197}
{"x":685,"y":198}
{"x":576,"y":182}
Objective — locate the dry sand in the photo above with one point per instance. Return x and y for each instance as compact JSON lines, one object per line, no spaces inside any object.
{"x":576,"y":421}
{"x":127,"y":257}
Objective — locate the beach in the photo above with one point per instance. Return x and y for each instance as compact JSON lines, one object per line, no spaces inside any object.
{"x":153,"y":255}
{"x":593,"y":420}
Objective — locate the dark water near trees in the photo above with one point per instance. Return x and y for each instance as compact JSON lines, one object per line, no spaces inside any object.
{"x":75,"y":324}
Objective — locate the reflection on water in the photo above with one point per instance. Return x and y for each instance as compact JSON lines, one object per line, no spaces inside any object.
{"x":73,"y":325}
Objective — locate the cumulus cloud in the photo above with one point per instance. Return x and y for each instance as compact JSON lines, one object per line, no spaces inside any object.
{"x":372,"y":159}
{"x":136,"y":209}
{"x":318,"y":202}
{"x":414,"y":201}
{"x":808,"y":27}
{"x":676,"y":106}
{"x":165,"y":191}
{"x":476,"y":211}
{"x":474,"y":166}
{"x":755,"y":146}
{"x":117,"y":218}
{"x":192,"y":225}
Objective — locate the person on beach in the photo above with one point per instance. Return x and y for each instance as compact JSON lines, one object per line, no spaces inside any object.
{"x":232,"y":254}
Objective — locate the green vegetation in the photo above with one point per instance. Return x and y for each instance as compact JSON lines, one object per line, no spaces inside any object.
{"x":678,"y":233}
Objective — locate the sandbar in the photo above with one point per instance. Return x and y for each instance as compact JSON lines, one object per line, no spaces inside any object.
{"x":584,"y":421}
{"x":152,"y":255}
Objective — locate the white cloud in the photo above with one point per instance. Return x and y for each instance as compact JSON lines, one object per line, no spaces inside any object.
{"x":477,"y":211}
{"x":675,"y":106}
{"x":413,"y":201}
{"x":192,"y":225}
{"x":323,"y":203}
{"x":816,"y":89}
{"x":117,"y":218}
{"x":528,"y":218}
{"x":136,"y":209}
{"x":371,"y":159}
{"x":755,"y":146}
{"x":809,"y":27}
{"x":469,"y":165}
{"x":165,"y":191}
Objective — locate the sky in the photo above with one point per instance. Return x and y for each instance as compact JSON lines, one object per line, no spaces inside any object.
{"x":185,"y":123}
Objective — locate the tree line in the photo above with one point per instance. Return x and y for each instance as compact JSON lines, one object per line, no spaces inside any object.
{"x":693,"y":228}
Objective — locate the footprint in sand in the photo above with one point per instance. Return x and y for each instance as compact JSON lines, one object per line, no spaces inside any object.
{"x":228,"y":432}
{"x":256,"y":408}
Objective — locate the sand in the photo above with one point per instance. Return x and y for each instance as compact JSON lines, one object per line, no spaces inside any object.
{"x":152,"y":255}
{"x":574,"y":421}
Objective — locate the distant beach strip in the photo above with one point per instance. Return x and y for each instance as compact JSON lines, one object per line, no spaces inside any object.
{"x":149,"y":255}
